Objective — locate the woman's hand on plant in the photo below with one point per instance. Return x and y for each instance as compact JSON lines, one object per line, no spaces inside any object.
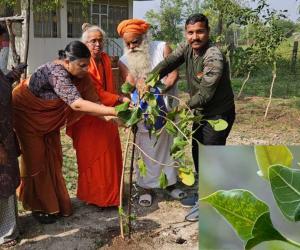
{"x":114,"y":119}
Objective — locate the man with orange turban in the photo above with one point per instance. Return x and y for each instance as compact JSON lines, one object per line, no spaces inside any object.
{"x":140,"y":56}
{"x":135,"y":26}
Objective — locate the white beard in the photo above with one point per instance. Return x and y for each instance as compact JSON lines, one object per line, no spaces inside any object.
{"x":138,"y":60}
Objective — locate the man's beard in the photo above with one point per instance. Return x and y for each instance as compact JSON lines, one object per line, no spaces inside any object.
{"x":138,"y":60}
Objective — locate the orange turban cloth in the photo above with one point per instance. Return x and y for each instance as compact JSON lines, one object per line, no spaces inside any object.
{"x":137,"y":26}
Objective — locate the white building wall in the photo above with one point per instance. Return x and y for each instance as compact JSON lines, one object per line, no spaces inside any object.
{"x":42,"y":50}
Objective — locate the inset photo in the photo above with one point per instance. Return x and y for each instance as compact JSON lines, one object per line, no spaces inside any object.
{"x":249,"y":198}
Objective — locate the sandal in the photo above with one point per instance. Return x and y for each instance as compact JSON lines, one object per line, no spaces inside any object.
{"x":193,"y":215}
{"x":44,"y":218}
{"x":176,"y":193}
{"x":145,"y":199}
{"x":9,"y":244}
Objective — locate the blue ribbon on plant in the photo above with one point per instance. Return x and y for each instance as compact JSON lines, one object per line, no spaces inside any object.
{"x":160,"y":121}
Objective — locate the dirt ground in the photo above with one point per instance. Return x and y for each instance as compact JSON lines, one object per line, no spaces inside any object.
{"x":280,"y":127}
{"x":161,"y":226}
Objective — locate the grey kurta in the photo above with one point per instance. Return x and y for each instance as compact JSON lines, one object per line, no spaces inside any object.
{"x":9,"y":173}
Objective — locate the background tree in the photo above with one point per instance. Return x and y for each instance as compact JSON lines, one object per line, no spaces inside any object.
{"x":168,"y":21}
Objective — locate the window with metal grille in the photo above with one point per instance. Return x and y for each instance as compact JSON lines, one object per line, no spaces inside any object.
{"x":77,"y":14}
{"x":105,"y":15}
{"x":46,"y":23}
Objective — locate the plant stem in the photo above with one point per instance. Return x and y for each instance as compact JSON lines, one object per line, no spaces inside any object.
{"x":294,"y":243}
{"x":152,"y":159}
{"x":176,"y":127}
{"x":271,"y":89}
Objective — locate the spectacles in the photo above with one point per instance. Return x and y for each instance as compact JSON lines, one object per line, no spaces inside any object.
{"x":95,"y":41}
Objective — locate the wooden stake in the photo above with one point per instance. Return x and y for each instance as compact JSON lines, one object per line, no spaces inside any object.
{"x":122,"y":184}
{"x":134,"y":130}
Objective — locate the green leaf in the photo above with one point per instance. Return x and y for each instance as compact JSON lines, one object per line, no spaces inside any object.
{"x":172,"y":114}
{"x":135,"y":117}
{"x":197,"y":118}
{"x":178,"y":144}
{"x":271,"y":155}
{"x":240,"y":208}
{"x":121,"y":211}
{"x":124,"y":115}
{"x":152,"y":79}
{"x":178,"y":154}
{"x":160,"y":85}
{"x":182,"y":114}
{"x":263,"y":230}
{"x":163,"y":181}
{"x":151,"y":100}
{"x":249,"y":216}
{"x":122,"y":107}
{"x":127,"y":88}
{"x":218,"y":125}
{"x":170,"y":128}
{"x":285,"y":185}
{"x":142,"y":167}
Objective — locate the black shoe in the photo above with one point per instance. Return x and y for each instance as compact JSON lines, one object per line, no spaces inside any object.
{"x":189,"y":201}
{"x":44,"y":218}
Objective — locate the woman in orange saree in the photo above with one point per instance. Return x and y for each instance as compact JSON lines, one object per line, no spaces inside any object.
{"x":43,"y":105}
{"x":97,"y":142}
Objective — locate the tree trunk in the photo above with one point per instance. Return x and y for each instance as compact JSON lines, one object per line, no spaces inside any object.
{"x":271,"y":89}
{"x":16,"y":57}
{"x":244,"y":83}
{"x":220,"y":24}
{"x":27,"y":32}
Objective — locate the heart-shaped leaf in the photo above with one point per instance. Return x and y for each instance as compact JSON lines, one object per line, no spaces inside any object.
{"x":218,"y":125}
{"x":249,"y":216}
{"x":267,"y":156}
{"x":263,"y":230}
{"x":285,"y":183}
{"x":240,"y":207}
{"x":142,"y":167}
{"x":124,"y":115}
{"x":122,"y":107}
{"x":135,"y":117}
{"x":127,"y":88}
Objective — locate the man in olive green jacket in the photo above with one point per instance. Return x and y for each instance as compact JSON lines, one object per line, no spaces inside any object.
{"x":207,"y":76}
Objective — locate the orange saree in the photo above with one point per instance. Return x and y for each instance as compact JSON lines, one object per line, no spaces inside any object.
{"x":37,"y":123}
{"x":97,"y":144}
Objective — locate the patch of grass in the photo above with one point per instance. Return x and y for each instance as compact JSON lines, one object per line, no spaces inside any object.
{"x":70,"y":170}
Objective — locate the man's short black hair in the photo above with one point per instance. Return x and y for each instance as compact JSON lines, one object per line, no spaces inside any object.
{"x":195,"y":18}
